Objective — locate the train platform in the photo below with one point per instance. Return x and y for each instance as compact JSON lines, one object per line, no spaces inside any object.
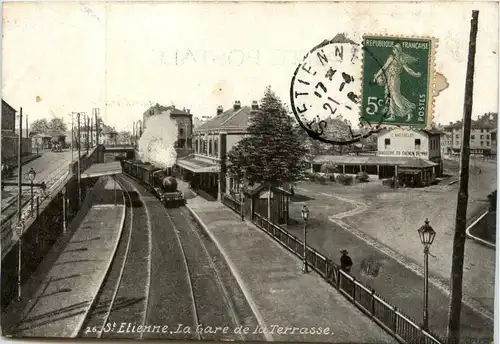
{"x":56,"y":298}
{"x":279,"y":294}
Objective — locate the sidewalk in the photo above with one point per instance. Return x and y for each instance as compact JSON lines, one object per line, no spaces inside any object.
{"x":58,"y":295}
{"x":275,"y":287}
{"x":380,"y":267}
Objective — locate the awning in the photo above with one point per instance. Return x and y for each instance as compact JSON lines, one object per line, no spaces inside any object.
{"x":101,"y":170}
{"x":409,"y":171}
{"x":198,"y":166}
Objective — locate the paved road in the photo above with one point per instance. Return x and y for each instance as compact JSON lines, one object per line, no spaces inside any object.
{"x":400,"y":285}
{"x":49,"y":168}
{"x":166,"y":278}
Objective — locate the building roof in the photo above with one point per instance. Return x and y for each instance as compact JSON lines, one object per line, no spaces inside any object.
{"x":103,"y":169}
{"x":4,"y":103}
{"x":229,"y":119}
{"x":173,"y":110}
{"x":373,"y":160}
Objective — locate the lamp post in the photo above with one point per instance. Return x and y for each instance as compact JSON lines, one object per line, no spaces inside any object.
{"x":30,"y":176}
{"x":427,"y":235}
{"x":305,"y":215}
{"x":241,"y":201}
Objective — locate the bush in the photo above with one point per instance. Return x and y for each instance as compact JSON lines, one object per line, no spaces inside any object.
{"x":362,"y":177}
{"x":321,"y":179}
{"x":344,"y":179}
{"x":388,"y":182}
{"x":331,"y":178}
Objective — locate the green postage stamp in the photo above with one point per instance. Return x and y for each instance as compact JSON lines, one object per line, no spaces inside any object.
{"x":398,"y":75}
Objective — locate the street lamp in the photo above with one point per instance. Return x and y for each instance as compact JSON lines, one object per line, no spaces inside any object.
{"x":305,"y":215}
{"x":241,"y":200}
{"x":427,"y":235}
{"x":30,"y":176}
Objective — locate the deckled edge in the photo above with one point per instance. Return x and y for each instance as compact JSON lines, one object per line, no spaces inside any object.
{"x":434,"y":43}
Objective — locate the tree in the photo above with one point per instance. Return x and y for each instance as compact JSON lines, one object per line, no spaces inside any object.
{"x":40,"y":126}
{"x":272,"y":152}
{"x":124,"y":137}
{"x":57,"y":124}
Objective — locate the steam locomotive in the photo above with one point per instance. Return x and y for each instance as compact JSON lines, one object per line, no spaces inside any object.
{"x":159,"y":181}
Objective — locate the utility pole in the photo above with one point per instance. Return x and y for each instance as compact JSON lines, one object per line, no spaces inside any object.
{"x":27,"y":133}
{"x":72,"y":137}
{"x":457,"y":264}
{"x":87,"y":123}
{"x":79,"y":164}
{"x":92,"y":131}
{"x":19,"y":166}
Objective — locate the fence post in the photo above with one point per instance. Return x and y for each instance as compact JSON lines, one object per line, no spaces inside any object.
{"x":373,"y":301}
{"x":38,"y":224}
{"x":354,"y":289}
{"x":395,"y":318}
{"x":338,"y":279}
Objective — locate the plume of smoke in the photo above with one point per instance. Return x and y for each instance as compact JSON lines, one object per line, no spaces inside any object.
{"x":157,"y":142}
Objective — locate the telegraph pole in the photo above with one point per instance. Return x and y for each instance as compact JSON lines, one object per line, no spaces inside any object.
{"x":19,"y":166}
{"x":19,"y":195}
{"x":79,"y":167}
{"x":457,"y":264}
{"x":27,"y":133}
{"x":96,"y":127}
{"x":72,"y":137}
{"x":92,"y":131}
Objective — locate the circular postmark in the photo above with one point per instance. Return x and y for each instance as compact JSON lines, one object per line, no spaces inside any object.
{"x":324,"y":93}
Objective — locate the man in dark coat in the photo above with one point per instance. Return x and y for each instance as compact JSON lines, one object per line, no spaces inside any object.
{"x":345,"y":261}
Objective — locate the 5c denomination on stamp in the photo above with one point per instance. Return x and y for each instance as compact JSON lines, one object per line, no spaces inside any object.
{"x":398,"y":77}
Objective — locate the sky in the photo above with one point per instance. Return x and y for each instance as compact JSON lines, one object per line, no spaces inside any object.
{"x":59,"y":58}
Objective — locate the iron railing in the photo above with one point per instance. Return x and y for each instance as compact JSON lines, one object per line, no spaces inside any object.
{"x":367,"y":300}
{"x":231,"y":203}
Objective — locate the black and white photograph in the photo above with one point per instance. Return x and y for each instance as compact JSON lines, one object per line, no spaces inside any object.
{"x":250,"y":171}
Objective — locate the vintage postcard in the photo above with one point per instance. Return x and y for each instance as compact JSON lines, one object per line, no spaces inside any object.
{"x":250,"y":171}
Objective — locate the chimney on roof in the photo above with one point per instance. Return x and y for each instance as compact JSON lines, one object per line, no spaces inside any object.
{"x":237,"y":105}
{"x":255,"y":105}
{"x":220,"y":110}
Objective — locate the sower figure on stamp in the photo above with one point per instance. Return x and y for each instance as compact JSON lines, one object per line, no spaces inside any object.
{"x":345,"y":261}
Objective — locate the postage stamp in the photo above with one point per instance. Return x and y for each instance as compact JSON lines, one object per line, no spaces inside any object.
{"x":397,"y":79}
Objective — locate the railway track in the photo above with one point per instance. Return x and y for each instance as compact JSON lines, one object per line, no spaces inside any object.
{"x":165,"y":282}
{"x":119,"y":300}
{"x":214,"y":309}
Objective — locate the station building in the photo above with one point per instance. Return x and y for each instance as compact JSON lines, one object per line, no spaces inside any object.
{"x":206,"y":168}
{"x":406,"y":153}
{"x":184,"y":120}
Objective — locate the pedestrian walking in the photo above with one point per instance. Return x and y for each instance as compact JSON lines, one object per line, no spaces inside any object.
{"x":345,"y":261}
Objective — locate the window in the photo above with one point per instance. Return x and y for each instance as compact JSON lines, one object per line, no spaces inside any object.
{"x":472,"y":137}
{"x":387,"y":142}
{"x":487,"y":136}
{"x":216,"y":148}
{"x":481,"y":130}
{"x":210,"y":146}
{"x":196,"y":145}
{"x":457,"y":136}
{"x":482,"y":143}
{"x":181,"y":131}
{"x":482,"y":136}
{"x":417,"y":143}
{"x":487,"y":143}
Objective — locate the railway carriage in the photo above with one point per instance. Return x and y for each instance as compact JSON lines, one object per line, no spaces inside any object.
{"x":160,"y":181}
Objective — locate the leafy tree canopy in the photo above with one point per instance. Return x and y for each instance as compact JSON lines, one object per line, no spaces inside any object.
{"x":272,"y":152}
{"x":44,"y":126}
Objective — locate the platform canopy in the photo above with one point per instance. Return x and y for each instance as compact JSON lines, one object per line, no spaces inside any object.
{"x":101,"y":170}
{"x":197,"y":166}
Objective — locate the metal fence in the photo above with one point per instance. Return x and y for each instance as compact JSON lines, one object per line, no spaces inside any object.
{"x":381,"y":311}
{"x":231,"y":203}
